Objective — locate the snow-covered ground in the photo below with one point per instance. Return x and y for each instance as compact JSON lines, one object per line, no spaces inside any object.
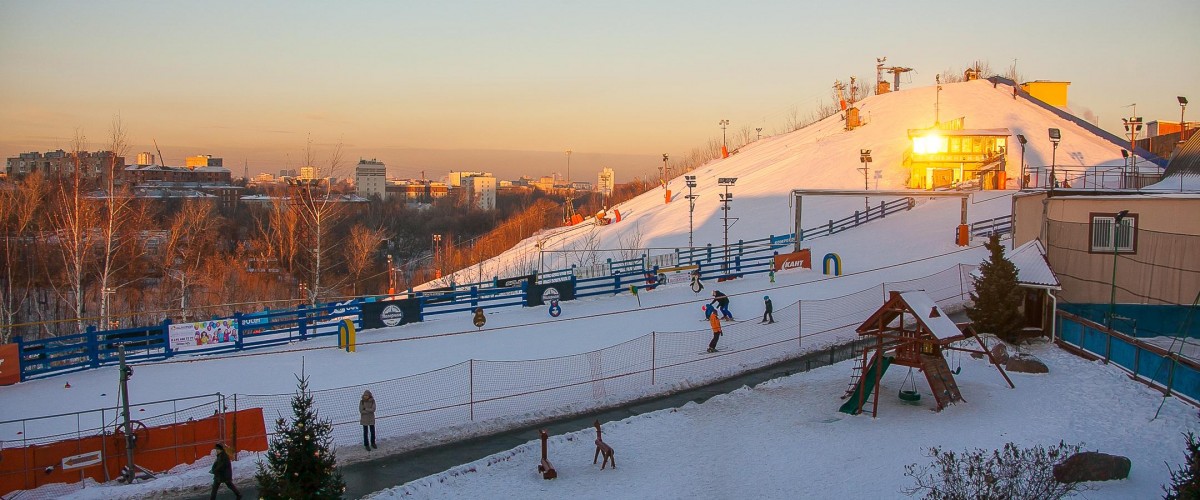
{"x":904,"y":246}
{"x":786,"y":439}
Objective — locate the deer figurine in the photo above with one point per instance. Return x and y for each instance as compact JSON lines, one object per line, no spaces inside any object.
{"x":603,"y":449}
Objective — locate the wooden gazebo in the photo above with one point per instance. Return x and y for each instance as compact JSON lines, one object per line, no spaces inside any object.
{"x":910,"y":330}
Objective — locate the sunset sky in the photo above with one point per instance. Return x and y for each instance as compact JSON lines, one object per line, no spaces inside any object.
{"x":508,"y":86}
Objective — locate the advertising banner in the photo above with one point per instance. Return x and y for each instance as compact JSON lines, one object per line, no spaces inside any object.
{"x":793,"y":260}
{"x":386,"y":313}
{"x":514,"y":281}
{"x":544,"y":293}
{"x":203,"y":334}
{"x":433,"y":297}
{"x":10,"y":364}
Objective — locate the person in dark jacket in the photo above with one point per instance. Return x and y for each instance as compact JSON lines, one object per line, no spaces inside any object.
{"x":722,"y":303}
{"x":768,"y":318}
{"x":366,"y":417}
{"x":222,"y":471}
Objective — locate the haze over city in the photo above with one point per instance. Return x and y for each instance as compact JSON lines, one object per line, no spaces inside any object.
{"x":508,"y":87}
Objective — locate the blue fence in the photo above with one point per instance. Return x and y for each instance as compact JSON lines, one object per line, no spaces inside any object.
{"x":1166,"y":370}
{"x":91,"y":349}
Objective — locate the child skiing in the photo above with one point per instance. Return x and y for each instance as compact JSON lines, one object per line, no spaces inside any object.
{"x":715,"y":322}
{"x":768,"y":318}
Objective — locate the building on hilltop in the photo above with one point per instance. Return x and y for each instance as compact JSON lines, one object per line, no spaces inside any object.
{"x":1052,"y":93}
{"x":949,"y":155}
{"x":193,"y":162}
{"x":370,"y":178}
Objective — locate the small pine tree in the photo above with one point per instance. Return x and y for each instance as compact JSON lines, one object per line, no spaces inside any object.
{"x":1185,"y":481}
{"x":300,"y":459}
{"x":997,"y":299}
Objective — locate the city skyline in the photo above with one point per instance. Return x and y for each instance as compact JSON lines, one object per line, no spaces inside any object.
{"x":509,"y":87}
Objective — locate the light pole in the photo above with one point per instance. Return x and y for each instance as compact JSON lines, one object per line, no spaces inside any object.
{"x":759,"y":130}
{"x":1182,"y":124}
{"x":1133,"y":125}
{"x":864,"y":155}
{"x":691,"y":183}
{"x":570,"y":205}
{"x":437,"y":255}
{"x":1021,"y":139}
{"x":662,"y":172}
{"x":107,"y":292}
{"x":726,"y":182}
{"x":1112,"y":301}
{"x":1055,"y":137}
{"x":723,"y":124}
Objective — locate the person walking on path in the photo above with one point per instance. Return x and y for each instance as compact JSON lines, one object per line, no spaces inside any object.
{"x":715,"y":322}
{"x":768,"y":318}
{"x":722,"y":302}
{"x":222,"y":471}
{"x":366,"y":412}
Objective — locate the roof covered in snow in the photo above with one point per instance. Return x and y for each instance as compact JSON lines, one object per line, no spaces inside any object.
{"x":941,"y":326}
{"x":1032,"y":268}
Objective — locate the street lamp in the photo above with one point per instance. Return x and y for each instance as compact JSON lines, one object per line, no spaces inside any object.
{"x":691,"y":183}
{"x":726,"y":182}
{"x":759,"y":130}
{"x":662,"y":172}
{"x":1021,"y":139}
{"x":1133,"y":125}
{"x":1055,"y":137}
{"x":723,"y":124}
{"x":570,"y":206}
{"x":1116,"y":238}
{"x":437,"y":255}
{"x":864,"y":155}
{"x":1182,"y":124}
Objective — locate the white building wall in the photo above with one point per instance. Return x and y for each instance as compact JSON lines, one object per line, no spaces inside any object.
{"x":370,"y":178}
{"x":481,"y":191}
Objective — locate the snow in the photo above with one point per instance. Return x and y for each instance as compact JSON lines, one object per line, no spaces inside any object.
{"x":941,"y":326}
{"x":784,"y":438}
{"x":1031,"y":264}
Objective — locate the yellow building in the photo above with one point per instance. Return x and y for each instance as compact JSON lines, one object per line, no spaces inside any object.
{"x":1052,"y":93}
{"x":943,"y":158}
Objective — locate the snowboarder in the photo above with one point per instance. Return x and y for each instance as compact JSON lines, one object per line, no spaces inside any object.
{"x":768,"y":318}
{"x":222,"y":471}
{"x":722,"y":302}
{"x":366,"y":412}
{"x":715,"y":322}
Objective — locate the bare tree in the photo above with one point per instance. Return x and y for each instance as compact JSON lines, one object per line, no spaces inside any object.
{"x":190,"y":240}
{"x":73,"y":218}
{"x":119,"y":244}
{"x":19,"y":209}
{"x":362,"y":243}
{"x":318,"y":211}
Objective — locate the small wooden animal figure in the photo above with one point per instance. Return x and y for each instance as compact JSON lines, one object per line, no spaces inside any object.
{"x":603,"y":449}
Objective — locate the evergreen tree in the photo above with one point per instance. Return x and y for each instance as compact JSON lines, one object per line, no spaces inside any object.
{"x":1185,"y":482}
{"x":996,"y":297}
{"x":300,"y":459}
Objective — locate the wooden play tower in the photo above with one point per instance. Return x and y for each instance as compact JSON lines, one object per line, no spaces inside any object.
{"x":910,"y":330}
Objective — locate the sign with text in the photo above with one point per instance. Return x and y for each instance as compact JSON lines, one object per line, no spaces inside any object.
{"x":10,"y":364}
{"x":203,"y":334}
{"x":389,"y":313}
{"x":544,"y":293}
{"x":514,"y":281}
{"x":793,"y":260}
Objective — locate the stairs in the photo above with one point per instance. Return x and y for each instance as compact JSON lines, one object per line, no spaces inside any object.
{"x":941,"y":380}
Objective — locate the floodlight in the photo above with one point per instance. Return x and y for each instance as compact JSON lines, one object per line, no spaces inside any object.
{"x":726,"y":181}
{"x":1124,"y":153}
{"x":1021,"y":139}
{"x":1055,"y":135}
{"x":1182,"y":100}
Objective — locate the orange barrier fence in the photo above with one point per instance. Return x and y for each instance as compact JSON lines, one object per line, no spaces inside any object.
{"x":101,"y":457}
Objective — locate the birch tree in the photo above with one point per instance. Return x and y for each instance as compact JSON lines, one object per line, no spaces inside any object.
{"x":19,"y":209}
{"x":118,"y":239}
{"x":318,"y":212}
{"x":72,"y":220}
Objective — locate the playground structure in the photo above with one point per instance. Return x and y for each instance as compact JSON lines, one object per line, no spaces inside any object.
{"x":603,"y":448}
{"x":910,"y":330}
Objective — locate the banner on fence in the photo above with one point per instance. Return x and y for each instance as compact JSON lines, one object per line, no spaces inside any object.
{"x":514,"y":281}
{"x":203,"y":334}
{"x":793,"y":260}
{"x":10,"y":367}
{"x":544,"y":293}
{"x":434,"y":295}
{"x":387,"y":313}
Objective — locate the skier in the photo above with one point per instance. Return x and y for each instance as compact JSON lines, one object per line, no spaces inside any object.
{"x":366,"y":412}
{"x":222,"y":471}
{"x":722,"y":302}
{"x":768,"y":318}
{"x":715,"y":322}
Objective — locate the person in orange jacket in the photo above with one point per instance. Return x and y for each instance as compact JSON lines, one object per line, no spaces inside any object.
{"x":715,"y":321}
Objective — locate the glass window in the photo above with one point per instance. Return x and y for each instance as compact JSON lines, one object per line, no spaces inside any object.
{"x":1105,"y":234}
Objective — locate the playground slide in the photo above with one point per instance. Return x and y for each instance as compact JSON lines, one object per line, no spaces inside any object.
{"x":865,"y":386}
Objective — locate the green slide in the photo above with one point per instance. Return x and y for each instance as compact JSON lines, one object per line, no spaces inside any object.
{"x":867,"y":385}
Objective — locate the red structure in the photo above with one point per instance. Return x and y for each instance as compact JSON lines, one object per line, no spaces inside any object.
{"x":910,"y":330}
{"x":546,"y":468}
{"x":603,"y":449}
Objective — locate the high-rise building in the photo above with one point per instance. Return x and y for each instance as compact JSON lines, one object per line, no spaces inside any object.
{"x":193,"y":162}
{"x":145,"y":158}
{"x":604,"y":181}
{"x":481,"y":191}
{"x":308,"y":173}
{"x":457,"y":179}
{"x":370,"y":178}
{"x":61,"y":163}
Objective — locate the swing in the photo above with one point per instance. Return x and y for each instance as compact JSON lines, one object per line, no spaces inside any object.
{"x":910,"y":395}
{"x":957,"y":363}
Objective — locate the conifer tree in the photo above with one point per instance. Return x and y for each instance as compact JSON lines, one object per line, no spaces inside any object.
{"x":300,"y":459}
{"x":996,"y":297}
{"x":1185,"y":481}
